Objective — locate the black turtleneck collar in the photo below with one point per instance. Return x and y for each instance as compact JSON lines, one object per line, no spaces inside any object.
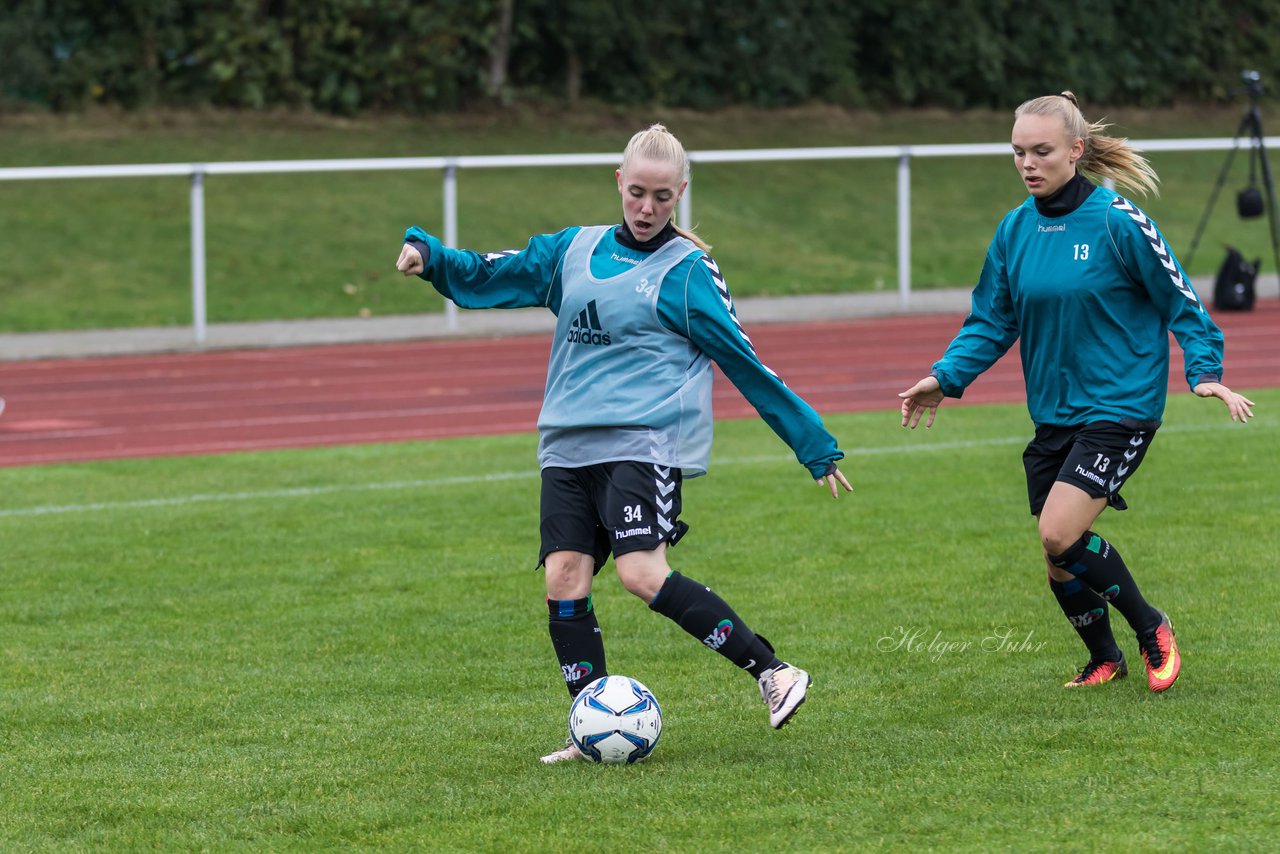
{"x":624,"y":236}
{"x":1067,"y":199}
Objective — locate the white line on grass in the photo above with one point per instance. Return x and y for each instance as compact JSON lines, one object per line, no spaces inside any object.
{"x":465,"y":480}
{"x":299,"y":492}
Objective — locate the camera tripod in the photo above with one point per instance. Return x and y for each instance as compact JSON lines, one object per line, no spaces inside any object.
{"x":1250,"y":125}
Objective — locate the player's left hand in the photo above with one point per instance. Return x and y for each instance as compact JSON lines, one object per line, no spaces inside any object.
{"x":834,"y":479}
{"x":1240,"y":407}
{"x":410,"y":261}
{"x":925,"y":395}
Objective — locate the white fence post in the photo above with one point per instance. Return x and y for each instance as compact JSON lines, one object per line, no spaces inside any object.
{"x":198,"y":317}
{"x":686,"y":207}
{"x":904,"y":228}
{"x":451,"y":230}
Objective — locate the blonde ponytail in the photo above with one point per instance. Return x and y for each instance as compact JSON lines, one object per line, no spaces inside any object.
{"x":1104,"y":156}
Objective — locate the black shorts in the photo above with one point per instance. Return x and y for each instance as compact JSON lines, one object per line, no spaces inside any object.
{"x":616,"y":507}
{"x":1097,"y":457}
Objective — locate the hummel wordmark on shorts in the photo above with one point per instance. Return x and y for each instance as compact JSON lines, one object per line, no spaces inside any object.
{"x":609,"y":508}
{"x":1097,"y":457}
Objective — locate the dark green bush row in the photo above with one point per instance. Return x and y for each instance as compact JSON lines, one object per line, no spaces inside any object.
{"x":345,"y":56}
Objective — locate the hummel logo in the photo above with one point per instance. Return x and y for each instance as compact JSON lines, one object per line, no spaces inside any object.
{"x":586,"y":329}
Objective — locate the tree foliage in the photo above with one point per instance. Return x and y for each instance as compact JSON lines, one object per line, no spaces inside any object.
{"x":345,"y":56}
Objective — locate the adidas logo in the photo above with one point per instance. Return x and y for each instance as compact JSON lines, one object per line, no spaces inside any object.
{"x":586,"y":329}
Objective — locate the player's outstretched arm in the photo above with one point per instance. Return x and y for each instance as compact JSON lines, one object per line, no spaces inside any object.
{"x":1240,"y":407}
{"x":926,"y":394}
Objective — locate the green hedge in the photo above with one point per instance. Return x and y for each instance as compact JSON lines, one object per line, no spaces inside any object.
{"x":347,"y":56}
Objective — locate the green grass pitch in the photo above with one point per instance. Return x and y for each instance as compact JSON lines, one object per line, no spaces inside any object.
{"x":346,"y":649}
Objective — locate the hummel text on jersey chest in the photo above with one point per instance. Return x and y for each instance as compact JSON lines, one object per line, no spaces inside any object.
{"x":1062,"y":226}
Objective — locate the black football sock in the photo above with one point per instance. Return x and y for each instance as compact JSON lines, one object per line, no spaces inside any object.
{"x":703,"y":614}
{"x":1094,"y":561}
{"x":575,"y":634}
{"x":1087,"y":613}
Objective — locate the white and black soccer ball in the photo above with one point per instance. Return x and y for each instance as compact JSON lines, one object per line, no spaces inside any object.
{"x":615,"y":719}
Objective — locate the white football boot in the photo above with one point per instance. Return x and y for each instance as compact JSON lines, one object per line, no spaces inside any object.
{"x":565,"y":754}
{"x":783,"y":689}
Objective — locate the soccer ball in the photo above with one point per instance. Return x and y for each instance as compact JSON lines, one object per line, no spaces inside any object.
{"x":615,"y":719}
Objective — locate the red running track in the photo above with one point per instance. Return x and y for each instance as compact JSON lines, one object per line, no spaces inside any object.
{"x":70,"y":410}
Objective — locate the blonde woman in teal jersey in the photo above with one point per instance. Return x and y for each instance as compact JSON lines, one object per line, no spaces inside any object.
{"x":1087,"y":283}
{"x":642,"y":312}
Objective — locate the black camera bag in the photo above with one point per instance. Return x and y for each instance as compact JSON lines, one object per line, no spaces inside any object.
{"x":1234,"y":289}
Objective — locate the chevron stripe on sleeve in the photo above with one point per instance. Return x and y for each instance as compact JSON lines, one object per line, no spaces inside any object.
{"x":725,"y":297}
{"x":1148,"y":228}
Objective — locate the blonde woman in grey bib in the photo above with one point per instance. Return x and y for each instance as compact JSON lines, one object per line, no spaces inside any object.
{"x":642,"y":312}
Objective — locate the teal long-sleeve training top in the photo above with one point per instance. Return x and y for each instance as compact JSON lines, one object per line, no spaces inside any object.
{"x":1092,"y":295}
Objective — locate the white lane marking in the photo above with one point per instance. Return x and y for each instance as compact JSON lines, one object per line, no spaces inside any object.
{"x":465,"y":480}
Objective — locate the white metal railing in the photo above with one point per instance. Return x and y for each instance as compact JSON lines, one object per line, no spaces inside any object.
{"x":449,"y":167}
